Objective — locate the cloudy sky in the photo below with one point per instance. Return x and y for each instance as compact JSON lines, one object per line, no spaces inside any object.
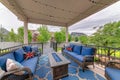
{"x":109,"y":14}
{"x":112,"y":13}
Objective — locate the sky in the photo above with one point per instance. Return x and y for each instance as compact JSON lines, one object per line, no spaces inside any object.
{"x":110,"y":14}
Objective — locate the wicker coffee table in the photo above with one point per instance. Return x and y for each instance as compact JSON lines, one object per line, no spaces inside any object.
{"x":59,"y":65}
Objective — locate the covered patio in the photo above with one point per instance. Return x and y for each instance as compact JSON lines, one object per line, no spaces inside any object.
{"x":57,"y":13}
{"x":51,"y":12}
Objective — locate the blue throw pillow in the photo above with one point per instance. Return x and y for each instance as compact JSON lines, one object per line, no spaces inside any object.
{"x":72,"y":46}
{"x":19,"y":55}
{"x":87,"y":51}
{"x":27,"y":48}
{"x":77,"y":49}
{"x":3,"y":60}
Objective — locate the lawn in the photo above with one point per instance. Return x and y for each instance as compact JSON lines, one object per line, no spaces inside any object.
{"x":114,"y":53}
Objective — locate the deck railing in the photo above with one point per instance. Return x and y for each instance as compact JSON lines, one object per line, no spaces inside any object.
{"x":55,"y":46}
{"x":10,"y":49}
{"x":103,"y":54}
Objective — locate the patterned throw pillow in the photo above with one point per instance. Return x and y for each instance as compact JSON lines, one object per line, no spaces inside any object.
{"x":69,"y":48}
{"x":29,"y":55}
{"x":14,"y":65}
{"x":1,"y":73}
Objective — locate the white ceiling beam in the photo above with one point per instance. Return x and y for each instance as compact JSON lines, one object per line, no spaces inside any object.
{"x":47,"y":22}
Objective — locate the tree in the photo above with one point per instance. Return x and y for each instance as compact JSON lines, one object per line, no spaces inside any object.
{"x":76,"y":39}
{"x":109,"y":35}
{"x":20,"y":35}
{"x":83,"y":39}
{"x":44,"y":35}
{"x":12,"y":36}
{"x":60,"y":36}
{"x":69,"y":38}
{"x":1,"y":34}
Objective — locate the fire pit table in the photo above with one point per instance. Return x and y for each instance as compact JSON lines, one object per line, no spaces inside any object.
{"x":59,"y":65}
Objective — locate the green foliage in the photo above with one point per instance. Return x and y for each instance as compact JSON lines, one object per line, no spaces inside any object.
{"x":76,"y":39}
{"x":83,"y":39}
{"x":69,"y":38}
{"x":60,"y":36}
{"x":20,"y":35}
{"x":3,"y":35}
{"x":107,"y":36}
{"x":29,"y":36}
{"x":44,"y":35}
{"x":12,"y":36}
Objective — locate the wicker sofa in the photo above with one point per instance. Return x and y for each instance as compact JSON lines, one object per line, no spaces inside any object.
{"x":112,"y":70}
{"x":17,"y":55}
{"x":81,"y":54}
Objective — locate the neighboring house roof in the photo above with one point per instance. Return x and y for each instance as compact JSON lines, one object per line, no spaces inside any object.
{"x":77,"y":34}
{"x":3,"y":31}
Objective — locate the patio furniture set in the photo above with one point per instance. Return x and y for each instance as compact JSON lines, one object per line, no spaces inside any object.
{"x":27,"y":57}
{"x":80,"y":54}
{"x":85,"y":56}
{"x":22,"y":65}
{"x":112,"y":70}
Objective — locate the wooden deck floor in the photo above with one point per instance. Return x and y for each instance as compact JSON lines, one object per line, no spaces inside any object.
{"x":98,"y":69}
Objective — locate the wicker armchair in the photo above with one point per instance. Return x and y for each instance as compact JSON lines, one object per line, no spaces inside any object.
{"x":10,"y":75}
{"x":112,"y":68}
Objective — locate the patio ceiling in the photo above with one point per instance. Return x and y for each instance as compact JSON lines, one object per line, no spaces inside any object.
{"x":55,"y":12}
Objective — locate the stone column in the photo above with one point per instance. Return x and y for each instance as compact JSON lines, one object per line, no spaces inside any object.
{"x":25,"y":32}
{"x":66,"y":34}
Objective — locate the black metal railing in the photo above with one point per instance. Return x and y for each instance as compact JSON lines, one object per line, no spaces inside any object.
{"x":55,"y":46}
{"x":10,"y":49}
{"x":103,"y":54}
{"x":39,"y":45}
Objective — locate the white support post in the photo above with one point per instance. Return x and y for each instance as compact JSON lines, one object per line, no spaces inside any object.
{"x":66,"y":34}
{"x":25,"y":32}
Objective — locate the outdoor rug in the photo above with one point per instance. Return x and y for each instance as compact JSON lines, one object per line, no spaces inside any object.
{"x":43,"y":71}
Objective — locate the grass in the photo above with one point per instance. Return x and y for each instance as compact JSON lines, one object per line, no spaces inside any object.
{"x":59,"y":49}
{"x":105,"y":52}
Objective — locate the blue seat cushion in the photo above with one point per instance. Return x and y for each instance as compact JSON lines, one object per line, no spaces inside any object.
{"x":113,"y":73}
{"x":79,"y":58}
{"x":30,"y":63}
{"x":4,"y":58}
{"x":76,"y":56}
{"x":19,"y":55}
{"x":65,"y":51}
{"x":77,"y":49}
{"x":27,"y":48}
{"x":73,"y":54}
{"x":87,"y":51}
